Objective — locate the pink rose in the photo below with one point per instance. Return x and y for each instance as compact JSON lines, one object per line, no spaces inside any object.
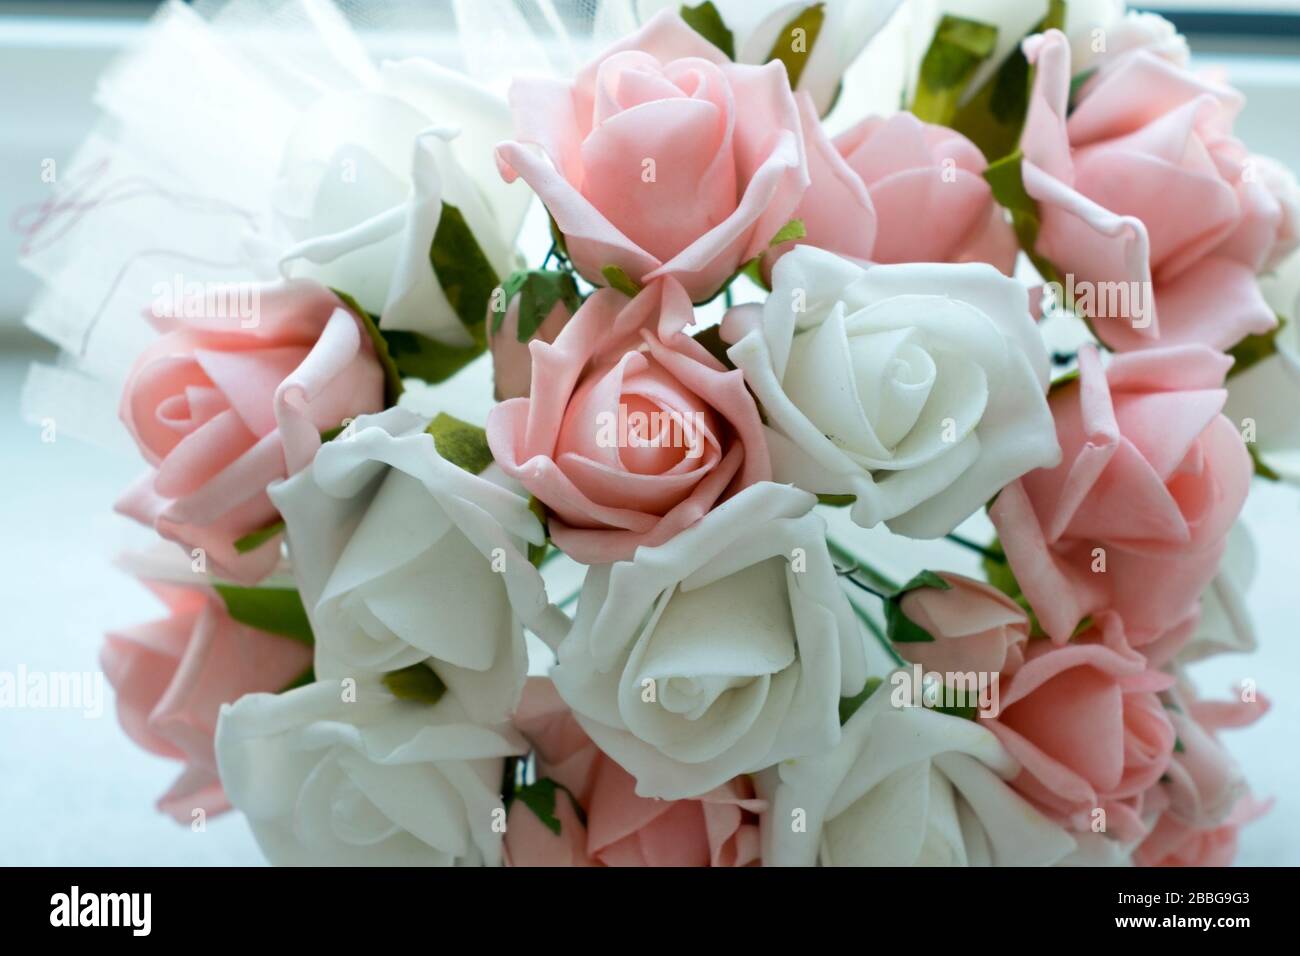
{"x":718,"y":828}
{"x":1174,"y":843}
{"x":1206,"y":801}
{"x":633,"y":431}
{"x":975,"y":628}
{"x":662,"y":157}
{"x":899,"y":190}
{"x":512,"y":368}
{"x":1135,"y":517}
{"x":1146,"y":200}
{"x":171,"y":677}
{"x":221,"y":405}
{"x":1089,"y":732}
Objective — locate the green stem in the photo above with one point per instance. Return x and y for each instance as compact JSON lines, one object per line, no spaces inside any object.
{"x":878,"y":579}
{"x":987,"y":552}
{"x":876,"y":632}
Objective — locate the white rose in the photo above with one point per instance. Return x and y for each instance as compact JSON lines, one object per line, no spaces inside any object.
{"x":1263,"y":398}
{"x":369,"y":781}
{"x":403,"y":557}
{"x":757,"y":26}
{"x":920,"y":389}
{"x":718,"y":653}
{"x":363,"y":179}
{"x":905,"y":787}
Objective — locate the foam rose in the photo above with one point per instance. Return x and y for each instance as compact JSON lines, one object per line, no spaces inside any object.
{"x":223,"y":404}
{"x":1143,"y":186}
{"x":895,"y":189}
{"x":371,"y":780}
{"x":661,"y":157}
{"x":718,"y":653}
{"x":906,"y":787}
{"x":719,"y":828}
{"x":610,"y":489}
{"x":171,"y":677}
{"x":1207,"y":800}
{"x":976,"y":628}
{"x":1086,"y":725}
{"x":1152,"y":479}
{"x":403,"y":557}
{"x":917,"y":389}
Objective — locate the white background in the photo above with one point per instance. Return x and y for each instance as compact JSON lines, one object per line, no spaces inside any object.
{"x":76,"y":790}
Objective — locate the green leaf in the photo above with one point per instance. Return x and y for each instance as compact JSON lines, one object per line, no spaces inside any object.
{"x":463,"y":270}
{"x":1178,"y":746}
{"x":274,"y":610}
{"x":708,"y":23}
{"x":925,"y":579}
{"x":514,"y":282}
{"x":302,"y":680}
{"x":392,"y":375}
{"x":955,"y":54}
{"x":711,"y":339}
{"x":538,"y":296}
{"x":837,"y":501}
{"x":966,"y":706}
{"x":416,"y":683}
{"x":1253,"y":349}
{"x":418,"y":356}
{"x":1076,"y":84}
{"x":900,"y":628}
{"x":620,"y":280}
{"x":539,"y":797}
{"x":255,"y":539}
{"x":795,"y":41}
{"x":753,"y":270}
{"x":537,"y":552}
{"x":794,"y":229}
{"x":849,"y":705}
{"x":994,"y":116}
{"x":460,"y":443}
{"x":1007,"y":183}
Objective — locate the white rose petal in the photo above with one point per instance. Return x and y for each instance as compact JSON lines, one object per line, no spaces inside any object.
{"x":757,"y":26}
{"x":718,"y":653}
{"x":1263,"y":398}
{"x":403,"y":557}
{"x":363,"y":179}
{"x":905,"y":787}
{"x":375,"y":781}
{"x":920,"y":389}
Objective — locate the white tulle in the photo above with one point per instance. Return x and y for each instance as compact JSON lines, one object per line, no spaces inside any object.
{"x":180,"y":180}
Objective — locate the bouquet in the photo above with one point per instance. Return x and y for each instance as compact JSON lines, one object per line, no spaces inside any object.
{"x":642,"y":434}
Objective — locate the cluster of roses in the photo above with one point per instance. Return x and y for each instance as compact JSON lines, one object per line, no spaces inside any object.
{"x":717,"y":697}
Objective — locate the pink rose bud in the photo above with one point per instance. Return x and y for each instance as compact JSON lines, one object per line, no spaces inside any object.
{"x":974,"y":625}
